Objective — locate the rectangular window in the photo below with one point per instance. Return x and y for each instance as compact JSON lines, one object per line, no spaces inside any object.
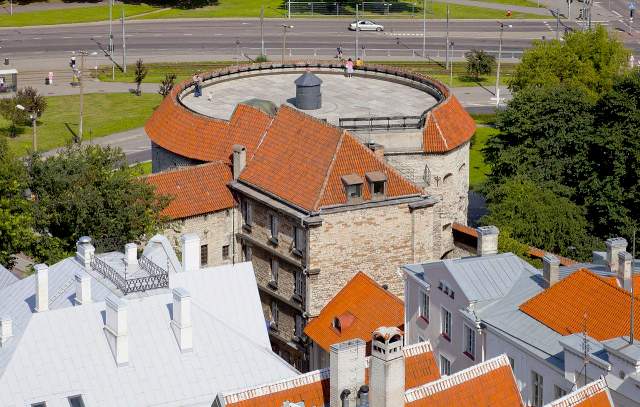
{"x":275,"y":314}
{"x":247,"y":212}
{"x":273,"y":227}
{"x":445,"y":324}
{"x":299,"y":240}
{"x":76,"y":401}
{"x":354,"y":191}
{"x":274,"y":272}
{"x":299,"y":284}
{"x":512,"y":362}
{"x":445,"y":366}
{"x":559,"y":392}
{"x":204,"y":254}
{"x":40,"y":404}
{"x":248,"y":252}
{"x":298,"y":328}
{"x":536,"y":389}
{"x":225,"y":251}
{"x":424,"y":306}
{"x":469,"y":342}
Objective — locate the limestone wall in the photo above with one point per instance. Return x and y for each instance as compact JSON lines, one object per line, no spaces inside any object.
{"x":163,"y":159}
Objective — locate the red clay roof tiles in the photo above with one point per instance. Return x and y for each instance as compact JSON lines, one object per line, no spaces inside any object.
{"x":195,"y":190}
{"x":369,"y":305}
{"x":594,"y":394}
{"x":564,"y":306}
{"x":447,"y":127}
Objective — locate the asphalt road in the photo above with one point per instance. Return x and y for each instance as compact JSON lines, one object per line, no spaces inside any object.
{"x":228,"y":38}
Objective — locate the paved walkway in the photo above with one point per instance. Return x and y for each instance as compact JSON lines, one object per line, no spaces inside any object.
{"x":499,"y":6}
{"x":43,"y":6}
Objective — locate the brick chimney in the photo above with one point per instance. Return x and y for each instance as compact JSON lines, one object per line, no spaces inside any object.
{"x":550,"y":269}
{"x":116,"y":329}
{"x":83,"y":288}
{"x":239,"y":159}
{"x":6,"y":330}
{"x":181,"y":320}
{"x":615,"y":245}
{"x":131,"y":257}
{"x":42,"y":287}
{"x":487,"y":240}
{"x":347,"y":362}
{"x":190,"y":252}
{"x":625,"y":270}
{"x":85,"y":251}
{"x":386,"y":370}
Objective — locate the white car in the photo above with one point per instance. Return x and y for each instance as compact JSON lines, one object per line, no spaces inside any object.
{"x":366,"y":25}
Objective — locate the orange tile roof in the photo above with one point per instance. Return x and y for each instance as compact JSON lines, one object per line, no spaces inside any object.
{"x":370,"y":305}
{"x":175,"y":128}
{"x":195,"y":190}
{"x":487,"y":384}
{"x":313,"y":388}
{"x":447,"y":127}
{"x":302,"y":159}
{"x":564,"y":306}
{"x":594,"y":394}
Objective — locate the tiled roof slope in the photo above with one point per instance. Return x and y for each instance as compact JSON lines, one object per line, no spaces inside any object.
{"x":195,"y":190}
{"x":313,"y":388}
{"x":301,"y":160}
{"x":487,"y":384}
{"x":368,"y":306}
{"x":175,"y":128}
{"x":594,"y":394}
{"x":583,"y":297}
{"x":447,"y":127}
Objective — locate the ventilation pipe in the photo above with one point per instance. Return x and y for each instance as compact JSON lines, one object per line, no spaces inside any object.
{"x":131,"y":257}
{"x":85,"y":251}
{"x":347,"y":362}
{"x":363,"y":396}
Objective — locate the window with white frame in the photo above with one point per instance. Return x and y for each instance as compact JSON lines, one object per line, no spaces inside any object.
{"x":424,"y":305}
{"x":469,"y":341}
{"x":445,"y":324}
{"x":537,"y":387}
{"x":445,"y":366}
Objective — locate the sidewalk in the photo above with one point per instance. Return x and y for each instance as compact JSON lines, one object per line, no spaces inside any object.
{"x":499,"y":6}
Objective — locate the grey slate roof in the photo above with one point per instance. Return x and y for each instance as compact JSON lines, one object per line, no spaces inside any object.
{"x":6,"y":277}
{"x":308,"y":79}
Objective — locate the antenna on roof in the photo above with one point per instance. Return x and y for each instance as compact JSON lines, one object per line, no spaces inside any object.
{"x":585,"y":349}
{"x":633,"y":294}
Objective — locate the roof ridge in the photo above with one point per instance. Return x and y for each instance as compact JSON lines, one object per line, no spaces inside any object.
{"x":374,"y":282}
{"x":581,"y":394}
{"x":455,"y":379}
{"x":417,"y":349}
{"x":327,"y":174}
{"x":599,"y":279}
{"x":440,"y":133}
{"x":275,"y":387}
{"x":184,"y":168}
{"x":262,"y":138}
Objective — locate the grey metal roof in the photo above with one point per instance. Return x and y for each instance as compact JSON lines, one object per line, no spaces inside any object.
{"x":64,"y":351}
{"x":623,"y":347}
{"x":6,"y":277}
{"x":595,"y":350}
{"x":308,"y":79}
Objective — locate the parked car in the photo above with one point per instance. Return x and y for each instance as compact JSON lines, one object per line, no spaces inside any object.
{"x":366,"y":25}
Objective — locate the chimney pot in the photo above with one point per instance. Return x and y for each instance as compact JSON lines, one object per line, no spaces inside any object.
{"x":131,"y":257}
{"x":190,"y":252}
{"x":42,"y":287}
{"x":386,"y":370}
{"x":85,"y":251}
{"x":239,"y":159}
{"x":116,"y":329}
{"x":615,"y":245}
{"x":550,"y":269}
{"x":347,"y":362}
{"x":6,"y":330}
{"x":83,"y":288}
{"x":181,"y":321}
{"x":625,"y":270}
{"x":487,"y":240}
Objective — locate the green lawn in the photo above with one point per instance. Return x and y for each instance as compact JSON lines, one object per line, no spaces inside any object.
{"x":104,"y":114}
{"x":71,"y":15}
{"x":523,"y":3}
{"x":143,"y":168}
{"x":478,"y":168}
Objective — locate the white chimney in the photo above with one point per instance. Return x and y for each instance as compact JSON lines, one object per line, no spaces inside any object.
{"x":83,"y":288}
{"x":347,"y":362}
{"x":6,"y":330}
{"x":42,"y":287}
{"x":615,"y":245}
{"x":386,"y":369}
{"x":181,"y":321}
{"x":85,"y":251}
{"x":190,"y":252}
{"x":487,"y":240}
{"x":116,"y":330}
{"x":131,"y":257}
{"x":550,"y":269}
{"x":625,"y":270}
{"x":239,"y":159}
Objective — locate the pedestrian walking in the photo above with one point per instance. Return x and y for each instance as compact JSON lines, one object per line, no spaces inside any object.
{"x":339,"y":54}
{"x":349,"y":67}
{"x":196,"y":82}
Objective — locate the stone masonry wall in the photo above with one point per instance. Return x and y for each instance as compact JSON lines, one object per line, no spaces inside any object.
{"x":163,"y":159}
{"x":374,"y":240}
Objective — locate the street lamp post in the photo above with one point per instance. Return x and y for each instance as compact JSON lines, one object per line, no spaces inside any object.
{"x":80,"y":75}
{"x":357,"y":30}
{"x":285,"y":27}
{"x":501,"y":27}
{"x":424,"y":28}
{"x":451,"y":65}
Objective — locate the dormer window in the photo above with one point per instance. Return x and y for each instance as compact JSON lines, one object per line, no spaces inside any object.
{"x":353,"y":187}
{"x":377,"y":184}
{"x":336,"y":324}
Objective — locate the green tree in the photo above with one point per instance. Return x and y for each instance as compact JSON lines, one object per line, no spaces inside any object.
{"x":90,"y":190}
{"x":140,"y":73}
{"x":14,"y":116}
{"x":535,"y":215}
{"x":32,"y":101}
{"x":15,"y":209}
{"x":167,"y":84}
{"x":586,"y":59}
{"x":479,"y":63}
